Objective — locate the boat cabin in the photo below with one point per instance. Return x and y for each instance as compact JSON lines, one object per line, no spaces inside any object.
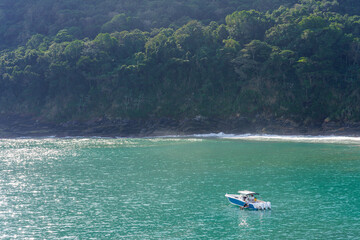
{"x":248,"y":196}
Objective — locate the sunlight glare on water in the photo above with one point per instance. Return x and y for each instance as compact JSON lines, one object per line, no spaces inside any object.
{"x":173,"y":188}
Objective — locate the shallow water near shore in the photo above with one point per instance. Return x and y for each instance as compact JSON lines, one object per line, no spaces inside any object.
{"x":173,"y":188}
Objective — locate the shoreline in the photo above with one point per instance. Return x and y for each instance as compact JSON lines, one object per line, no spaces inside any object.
{"x":24,"y":126}
{"x":304,"y":139}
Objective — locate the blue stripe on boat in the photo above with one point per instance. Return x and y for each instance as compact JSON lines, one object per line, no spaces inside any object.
{"x":236,"y":202}
{"x":240,"y":203}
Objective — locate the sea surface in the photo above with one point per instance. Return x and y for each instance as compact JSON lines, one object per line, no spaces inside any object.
{"x":174,"y":187}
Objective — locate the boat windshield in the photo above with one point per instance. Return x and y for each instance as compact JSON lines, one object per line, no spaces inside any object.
{"x":245,"y":192}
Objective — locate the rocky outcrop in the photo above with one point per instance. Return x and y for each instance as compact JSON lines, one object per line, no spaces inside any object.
{"x":25,"y":126}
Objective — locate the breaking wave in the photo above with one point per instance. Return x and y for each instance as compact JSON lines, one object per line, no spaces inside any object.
{"x":282,"y":138}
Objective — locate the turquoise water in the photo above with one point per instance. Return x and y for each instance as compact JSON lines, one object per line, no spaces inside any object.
{"x":174,"y":189}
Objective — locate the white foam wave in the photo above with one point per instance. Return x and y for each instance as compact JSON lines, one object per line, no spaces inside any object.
{"x":282,"y":138}
{"x":221,"y":135}
{"x":301,"y":138}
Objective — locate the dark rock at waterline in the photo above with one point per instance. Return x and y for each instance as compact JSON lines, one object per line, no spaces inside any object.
{"x":12,"y":126}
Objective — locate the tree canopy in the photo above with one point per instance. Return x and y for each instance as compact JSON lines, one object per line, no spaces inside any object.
{"x":64,"y":60}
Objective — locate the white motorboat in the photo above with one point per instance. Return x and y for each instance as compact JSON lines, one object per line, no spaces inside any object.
{"x":247,"y":199}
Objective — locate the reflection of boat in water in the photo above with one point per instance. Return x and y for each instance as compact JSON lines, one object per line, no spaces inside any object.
{"x":246,"y":199}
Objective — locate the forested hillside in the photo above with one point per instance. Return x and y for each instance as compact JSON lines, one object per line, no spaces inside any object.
{"x":22,"y":19}
{"x":66,"y":60}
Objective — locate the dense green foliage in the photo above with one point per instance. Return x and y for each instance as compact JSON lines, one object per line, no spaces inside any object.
{"x":22,"y":19}
{"x":299,"y":62}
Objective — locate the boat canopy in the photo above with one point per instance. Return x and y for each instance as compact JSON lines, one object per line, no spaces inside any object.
{"x":246,"y":192}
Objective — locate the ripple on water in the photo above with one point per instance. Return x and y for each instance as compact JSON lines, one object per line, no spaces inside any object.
{"x":174,"y":189}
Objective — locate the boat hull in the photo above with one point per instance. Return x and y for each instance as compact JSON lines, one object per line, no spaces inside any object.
{"x":233,"y":199}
